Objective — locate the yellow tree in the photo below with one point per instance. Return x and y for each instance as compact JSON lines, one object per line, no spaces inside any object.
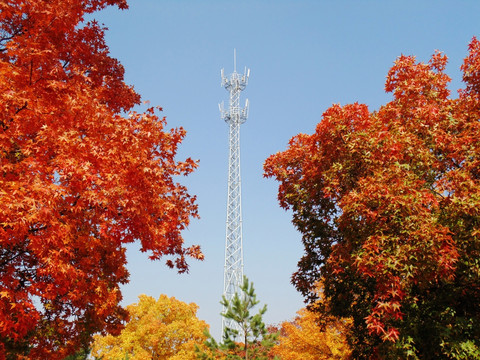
{"x":161,"y":329}
{"x":307,"y":338}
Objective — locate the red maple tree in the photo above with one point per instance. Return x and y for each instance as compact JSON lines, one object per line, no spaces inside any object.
{"x":387,"y":202}
{"x":78,"y":179}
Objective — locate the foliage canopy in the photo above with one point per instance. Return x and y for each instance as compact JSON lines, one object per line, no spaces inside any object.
{"x":158,"y":329}
{"x":78,"y":179}
{"x":388,"y":204}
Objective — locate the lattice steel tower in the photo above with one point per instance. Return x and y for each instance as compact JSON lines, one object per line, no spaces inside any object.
{"x":234,"y":117}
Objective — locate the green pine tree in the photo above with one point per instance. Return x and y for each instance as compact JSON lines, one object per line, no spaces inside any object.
{"x":250,"y":339}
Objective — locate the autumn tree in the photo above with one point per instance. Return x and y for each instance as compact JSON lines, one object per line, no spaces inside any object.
{"x":163,"y":329}
{"x":303,"y":338}
{"x":313,"y":337}
{"x":247,"y":338}
{"x":78,"y":180}
{"x":388,"y":205}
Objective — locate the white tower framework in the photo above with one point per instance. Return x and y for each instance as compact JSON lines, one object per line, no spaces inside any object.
{"x":234,"y":117}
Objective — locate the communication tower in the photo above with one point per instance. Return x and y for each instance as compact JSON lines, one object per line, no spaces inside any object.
{"x":234,"y":117}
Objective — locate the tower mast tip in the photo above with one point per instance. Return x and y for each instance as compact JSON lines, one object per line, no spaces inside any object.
{"x":234,"y":60}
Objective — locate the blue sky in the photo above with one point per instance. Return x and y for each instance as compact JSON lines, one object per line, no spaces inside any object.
{"x":304,"y":55}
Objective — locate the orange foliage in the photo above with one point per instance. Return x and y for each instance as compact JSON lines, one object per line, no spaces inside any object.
{"x":78,"y":180}
{"x":304,"y":338}
{"x":387,"y":203}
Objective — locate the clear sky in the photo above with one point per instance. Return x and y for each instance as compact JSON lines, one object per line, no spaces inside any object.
{"x":304,"y":55}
